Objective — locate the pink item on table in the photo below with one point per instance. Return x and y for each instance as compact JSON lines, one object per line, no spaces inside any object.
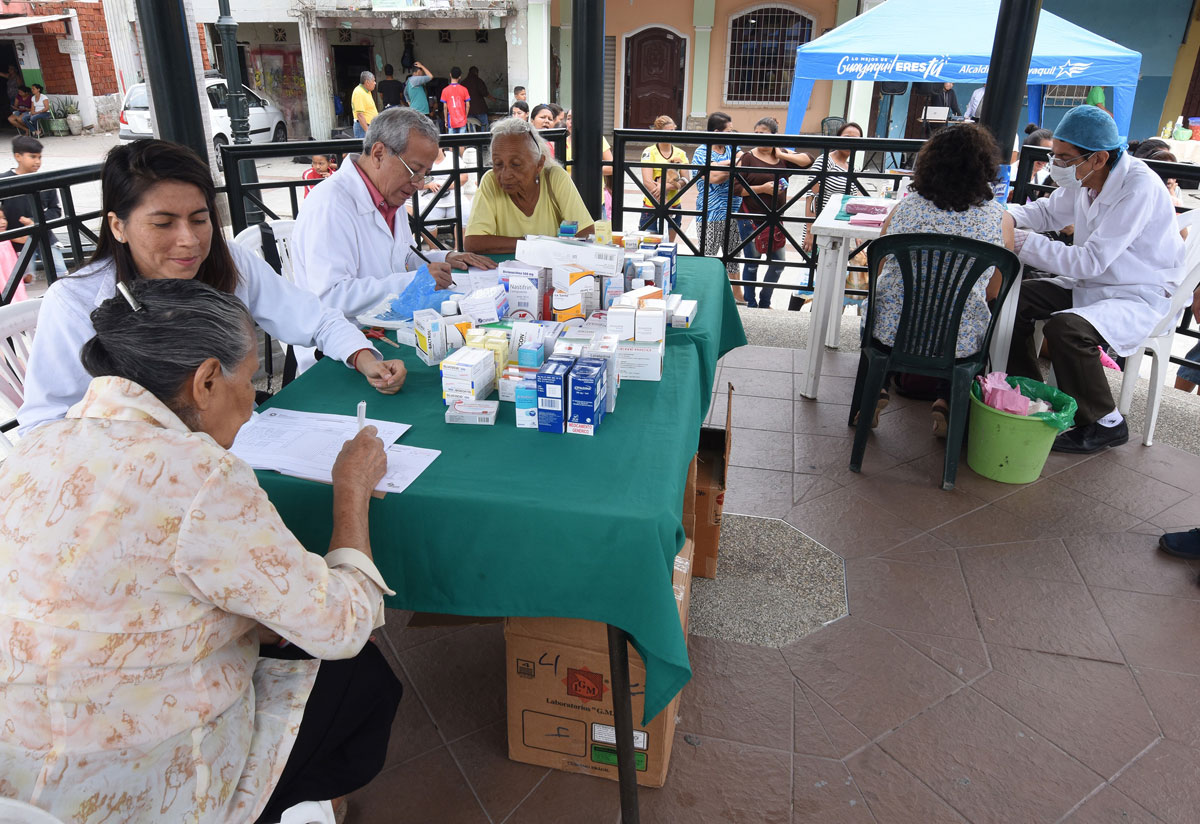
{"x":999,"y":395}
{"x":864,"y":219}
{"x":869,"y":206}
{"x":8,"y":262}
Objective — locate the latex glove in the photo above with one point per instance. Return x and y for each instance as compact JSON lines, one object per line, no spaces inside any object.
{"x":1019,"y":237}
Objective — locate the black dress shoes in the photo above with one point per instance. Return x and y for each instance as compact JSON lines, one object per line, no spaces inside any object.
{"x":1091,"y":438}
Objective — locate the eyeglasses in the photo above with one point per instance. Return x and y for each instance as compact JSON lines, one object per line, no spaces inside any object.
{"x":417,"y":179}
{"x":1063,"y":162}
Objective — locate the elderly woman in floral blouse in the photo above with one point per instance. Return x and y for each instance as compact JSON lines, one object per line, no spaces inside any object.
{"x":143,"y":567}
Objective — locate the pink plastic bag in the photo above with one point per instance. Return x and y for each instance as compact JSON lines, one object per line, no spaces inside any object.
{"x":999,"y":395}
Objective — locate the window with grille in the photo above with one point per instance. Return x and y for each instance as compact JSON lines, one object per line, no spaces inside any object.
{"x":761,"y":57}
{"x":1066,"y":96}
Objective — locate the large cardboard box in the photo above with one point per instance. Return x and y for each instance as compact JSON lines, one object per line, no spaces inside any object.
{"x":689,"y":501}
{"x":712,"y":459}
{"x":560,"y":700}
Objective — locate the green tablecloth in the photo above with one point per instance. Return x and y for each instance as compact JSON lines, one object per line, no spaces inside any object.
{"x":513,"y":521}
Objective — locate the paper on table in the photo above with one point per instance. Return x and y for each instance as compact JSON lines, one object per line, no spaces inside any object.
{"x":475,"y":278}
{"x":304,"y":444}
{"x":405,"y":464}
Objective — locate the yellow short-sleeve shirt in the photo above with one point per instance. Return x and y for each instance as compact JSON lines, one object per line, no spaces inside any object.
{"x":363,"y":101}
{"x":494,"y":214}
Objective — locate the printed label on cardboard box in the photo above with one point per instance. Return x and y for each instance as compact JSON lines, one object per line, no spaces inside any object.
{"x":604,"y":734}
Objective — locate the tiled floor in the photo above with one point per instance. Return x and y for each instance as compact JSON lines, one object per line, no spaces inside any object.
{"x":1012,"y":654}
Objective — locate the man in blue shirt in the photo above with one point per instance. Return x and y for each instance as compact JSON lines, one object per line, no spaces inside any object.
{"x":414,"y":91}
{"x":713,"y":198}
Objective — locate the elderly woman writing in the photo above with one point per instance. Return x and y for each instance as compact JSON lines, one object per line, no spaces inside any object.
{"x":144,"y":567}
{"x":159,"y":206}
{"x":525,"y":193}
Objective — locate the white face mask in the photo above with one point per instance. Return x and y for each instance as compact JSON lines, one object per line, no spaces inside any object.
{"x":1064,"y":176}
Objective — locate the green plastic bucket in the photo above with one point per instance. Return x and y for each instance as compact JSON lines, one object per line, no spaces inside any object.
{"x":1008,"y":448}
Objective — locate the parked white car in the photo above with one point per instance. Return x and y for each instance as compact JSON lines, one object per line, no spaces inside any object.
{"x":266,"y":121}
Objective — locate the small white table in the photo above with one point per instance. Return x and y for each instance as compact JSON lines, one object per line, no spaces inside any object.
{"x":835,"y":239}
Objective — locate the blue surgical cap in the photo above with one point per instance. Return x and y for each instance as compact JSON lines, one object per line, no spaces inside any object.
{"x":1091,"y":128}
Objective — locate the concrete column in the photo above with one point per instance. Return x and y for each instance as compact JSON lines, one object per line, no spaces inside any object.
{"x":703,"y":14}
{"x":120,"y":42}
{"x":565,"y":33}
{"x":83,"y":76}
{"x":538,"y":38}
{"x":314,"y":51}
{"x":838,"y":104}
{"x":516,"y":33}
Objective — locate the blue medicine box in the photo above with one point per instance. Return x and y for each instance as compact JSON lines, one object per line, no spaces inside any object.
{"x":552,"y":392}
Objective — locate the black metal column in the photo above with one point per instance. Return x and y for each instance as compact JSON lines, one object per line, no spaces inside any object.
{"x":169,"y":63}
{"x":235,"y":102}
{"x":1008,"y":74}
{"x":618,"y":662}
{"x":587,"y":102}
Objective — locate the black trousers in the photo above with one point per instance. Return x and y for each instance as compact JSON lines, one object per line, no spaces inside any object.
{"x":344,"y":733}
{"x":1074,"y":349}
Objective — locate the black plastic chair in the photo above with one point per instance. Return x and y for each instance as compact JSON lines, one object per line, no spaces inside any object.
{"x":938,"y":272}
{"x":830,"y":125}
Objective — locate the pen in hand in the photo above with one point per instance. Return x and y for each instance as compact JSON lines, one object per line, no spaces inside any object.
{"x":362,"y":415}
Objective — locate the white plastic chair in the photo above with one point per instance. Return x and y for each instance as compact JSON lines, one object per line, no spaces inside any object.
{"x":17,"y":324}
{"x":19,"y":812}
{"x":251,"y":238}
{"x":308,"y":812}
{"x":1158,"y":344}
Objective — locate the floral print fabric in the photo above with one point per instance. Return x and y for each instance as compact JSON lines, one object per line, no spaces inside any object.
{"x":138,"y":559}
{"x":916,"y":214}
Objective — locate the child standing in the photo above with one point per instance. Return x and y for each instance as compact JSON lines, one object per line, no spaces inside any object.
{"x":322,"y":167}
{"x":456,"y":97}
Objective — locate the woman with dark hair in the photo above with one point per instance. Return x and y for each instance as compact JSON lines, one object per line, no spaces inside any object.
{"x":156,"y":581}
{"x":951,"y":194}
{"x":159,"y":207}
{"x":1037,"y":136}
{"x":715,"y":200}
{"x":758,"y":189}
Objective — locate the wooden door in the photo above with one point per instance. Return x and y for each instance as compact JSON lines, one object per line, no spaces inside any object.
{"x":654,"y":73}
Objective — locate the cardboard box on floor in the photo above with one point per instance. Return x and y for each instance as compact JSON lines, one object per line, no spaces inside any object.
{"x":559,"y":694}
{"x":712,"y":459}
{"x":689,"y":501}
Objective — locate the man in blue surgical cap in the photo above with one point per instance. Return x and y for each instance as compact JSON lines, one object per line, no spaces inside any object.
{"x":1113,"y":285}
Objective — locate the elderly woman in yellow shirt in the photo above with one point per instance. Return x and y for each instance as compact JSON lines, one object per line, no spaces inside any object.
{"x":144,"y":567}
{"x":525,"y":193}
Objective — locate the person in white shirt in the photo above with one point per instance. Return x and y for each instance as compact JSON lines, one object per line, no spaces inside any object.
{"x":435,"y":208}
{"x":352,"y":246}
{"x":1112,"y":286}
{"x":159,"y":206}
{"x":972,"y":110}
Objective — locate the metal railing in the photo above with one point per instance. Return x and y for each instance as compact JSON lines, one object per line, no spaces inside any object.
{"x":40,"y":236}
{"x":870,"y":169}
{"x":1183,"y":173}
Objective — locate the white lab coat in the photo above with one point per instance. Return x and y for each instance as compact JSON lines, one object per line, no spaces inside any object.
{"x":343,"y":251}
{"x":56,"y":380}
{"x":1128,"y":257}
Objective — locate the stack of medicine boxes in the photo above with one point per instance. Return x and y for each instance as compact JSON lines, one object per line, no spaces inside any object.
{"x":468,"y":374}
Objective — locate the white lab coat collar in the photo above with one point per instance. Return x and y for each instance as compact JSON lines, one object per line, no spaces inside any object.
{"x":363,"y":202}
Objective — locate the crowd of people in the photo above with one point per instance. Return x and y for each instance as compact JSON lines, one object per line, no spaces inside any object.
{"x":288,"y":682}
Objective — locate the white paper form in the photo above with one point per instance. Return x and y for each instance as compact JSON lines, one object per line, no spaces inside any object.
{"x":475,"y":278}
{"x":405,"y":464}
{"x":304,"y":444}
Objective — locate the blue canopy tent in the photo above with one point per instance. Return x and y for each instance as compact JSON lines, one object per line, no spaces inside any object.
{"x":951,"y":40}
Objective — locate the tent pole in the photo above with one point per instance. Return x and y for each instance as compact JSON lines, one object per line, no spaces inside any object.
{"x":1008,"y":74}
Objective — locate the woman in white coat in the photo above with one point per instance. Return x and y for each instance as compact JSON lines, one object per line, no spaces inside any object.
{"x":1112,"y":286}
{"x":159,"y":207}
